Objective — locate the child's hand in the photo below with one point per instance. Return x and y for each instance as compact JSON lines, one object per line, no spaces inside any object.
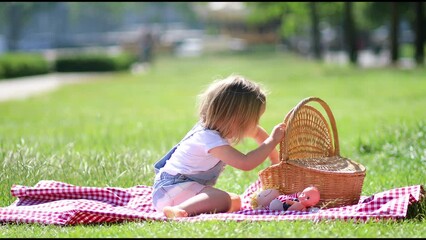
{"x":278,"y":132}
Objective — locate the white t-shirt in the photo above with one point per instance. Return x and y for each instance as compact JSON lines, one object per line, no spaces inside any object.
{"x":192,"y":155}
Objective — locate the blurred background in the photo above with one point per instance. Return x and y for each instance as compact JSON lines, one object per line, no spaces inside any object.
{"x":369,"y":34}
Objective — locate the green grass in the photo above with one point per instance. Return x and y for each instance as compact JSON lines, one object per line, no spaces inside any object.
{"x":110,"y":132}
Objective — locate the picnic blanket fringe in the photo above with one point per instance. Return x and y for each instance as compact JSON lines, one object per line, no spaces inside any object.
{"x":58,"y":203}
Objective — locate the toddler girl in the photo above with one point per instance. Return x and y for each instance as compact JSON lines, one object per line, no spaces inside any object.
{"x":229,"y":111}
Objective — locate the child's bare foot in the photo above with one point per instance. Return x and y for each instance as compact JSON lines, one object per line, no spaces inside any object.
{"x":172,"y":212}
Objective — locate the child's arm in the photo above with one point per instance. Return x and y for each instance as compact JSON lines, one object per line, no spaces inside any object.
{"x":254,"y":158}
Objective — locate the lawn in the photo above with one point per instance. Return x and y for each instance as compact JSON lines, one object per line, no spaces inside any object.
{"x":110,"y":131}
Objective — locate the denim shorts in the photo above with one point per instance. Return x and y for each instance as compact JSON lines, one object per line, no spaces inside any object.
{"x":171,"y":190}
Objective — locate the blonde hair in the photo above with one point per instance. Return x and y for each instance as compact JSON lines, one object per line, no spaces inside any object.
{"x":231,"y":106}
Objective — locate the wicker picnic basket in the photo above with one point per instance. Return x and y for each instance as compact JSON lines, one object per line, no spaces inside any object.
{"x":309,"y":156}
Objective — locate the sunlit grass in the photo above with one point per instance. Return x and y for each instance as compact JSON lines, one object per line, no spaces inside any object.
{"x":110,"y":132}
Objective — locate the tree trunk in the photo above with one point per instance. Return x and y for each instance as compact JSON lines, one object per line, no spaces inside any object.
{"x":394,"y":32}
{"x":316,"y":41}
{"x":420,"y":37}
{"x":350,"y":33}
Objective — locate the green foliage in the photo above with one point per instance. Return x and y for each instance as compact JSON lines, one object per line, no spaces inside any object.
{"x":331,"y":11}
{"x":187,"y":10}
{"x":378,"y":13}
{"x":293,"y":16}
{"x":93,"y":62}
{"x":14,"y":65}
{"x":262,"y":12}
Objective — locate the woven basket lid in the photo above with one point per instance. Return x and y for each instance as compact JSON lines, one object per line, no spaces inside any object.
{"x":333,"y":164}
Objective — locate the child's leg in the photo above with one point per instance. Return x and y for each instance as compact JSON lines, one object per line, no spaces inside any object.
{"x":209,"y":200}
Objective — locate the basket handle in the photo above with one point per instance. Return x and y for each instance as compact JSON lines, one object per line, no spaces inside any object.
{"x":292,"y":113}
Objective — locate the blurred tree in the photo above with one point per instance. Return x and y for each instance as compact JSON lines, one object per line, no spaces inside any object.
{"x":389,"y":14}
{"x":159,"y":13}
{"x":316,"y":38}
{"x":376,"y":14}
{"x":290,"y":17}
{"x":394,"y":32}
{"x":293,"y":17}
{"x":350,"y":35}
{"x":420,"y":32}
{"x":188,"y":12}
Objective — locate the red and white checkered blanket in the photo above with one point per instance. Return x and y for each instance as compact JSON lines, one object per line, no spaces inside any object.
{"x":52,"y":202}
